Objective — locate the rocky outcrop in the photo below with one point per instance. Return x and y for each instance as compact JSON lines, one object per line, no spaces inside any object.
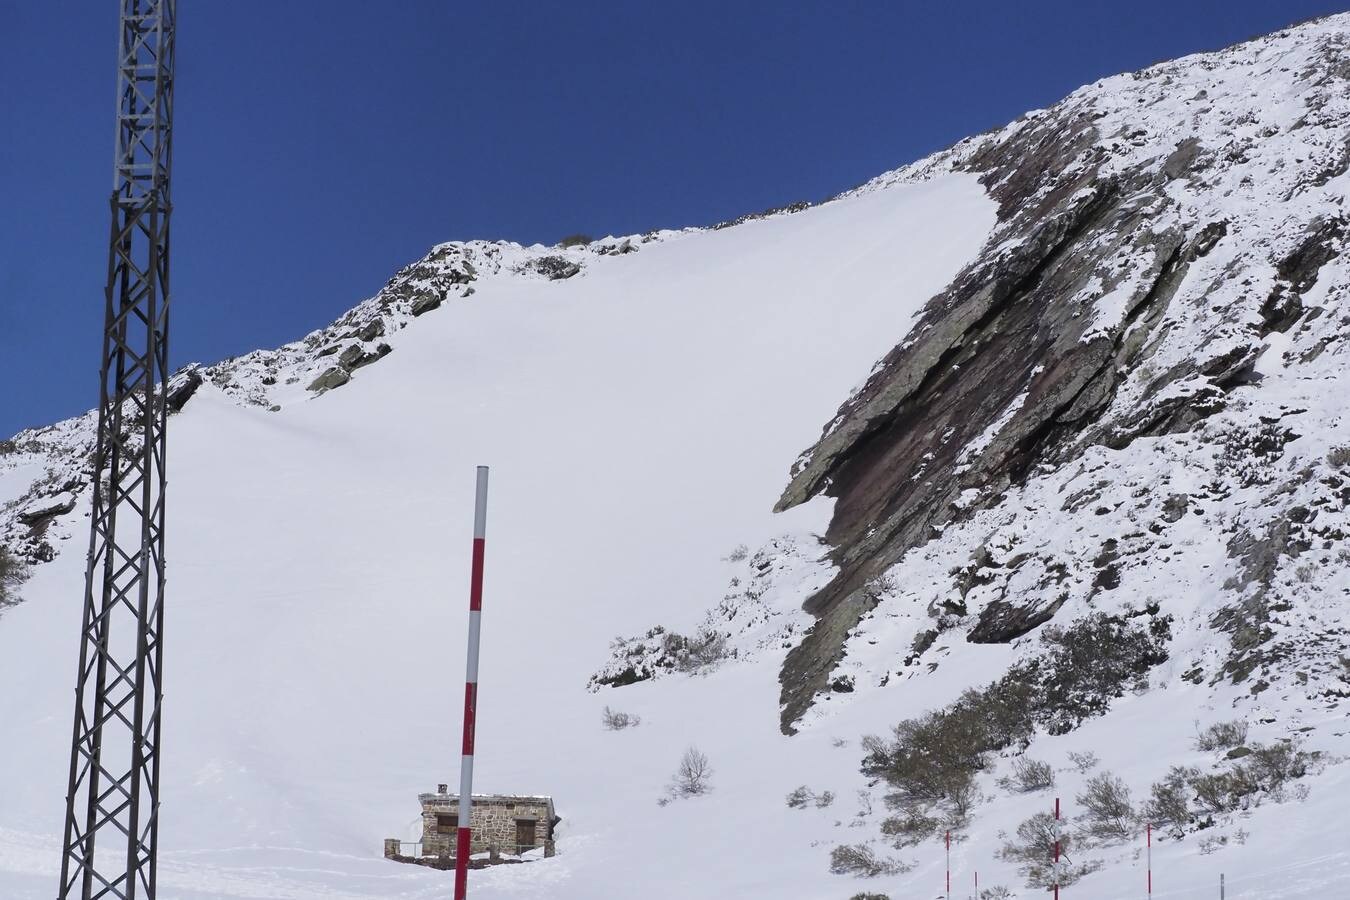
{"x":181,"y":388}
{"x":1144,"y":253}
{"x":40,"y":512}
{"x":554,"y":268}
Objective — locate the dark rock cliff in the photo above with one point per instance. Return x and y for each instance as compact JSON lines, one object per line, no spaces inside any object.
{"x":1101,"y":276}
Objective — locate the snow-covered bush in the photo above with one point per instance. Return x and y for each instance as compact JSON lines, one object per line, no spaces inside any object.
{"x":1222,"y":736}
{"x":1248,"y":455}
{"x":1265,"y":769}
{"x":1274,"y":765}
{"x":738,"y":553}
{"x":861,"y":860}
{"x":1169,"y":801}
{"x":932,"y":759}
{"x":1033,"y":850}
{"x":705,"y":649}
{"x":1028,"y":775}
{"x":1084,"y":762}
{"x":617,"y":721}
{"x":1225,"y":791}
{"x":1110,"y":813}
{"x":867,"y":895}
{"x":912,"y":827}
{"x":1210,"y":843}
{"x":801,"y":797}
{"x":1259,"y":770}
{"x":693,"y":776}
{"x":935,"y":758}
{"x":1092,"y":662}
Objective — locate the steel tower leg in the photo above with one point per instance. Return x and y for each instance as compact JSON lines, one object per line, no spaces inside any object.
{"x":112,"y":803}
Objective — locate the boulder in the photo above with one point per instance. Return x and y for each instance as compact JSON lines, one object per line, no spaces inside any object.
{"x":334,"y":377}
{"x":426,"y":303}
{"x":1001,"y":622}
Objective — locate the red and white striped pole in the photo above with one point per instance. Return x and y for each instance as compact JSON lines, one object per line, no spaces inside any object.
{"x":463,"y":834}
{"x":949,"y":865}
{"x":1148,"y":831}
{"x":1056,"y":848}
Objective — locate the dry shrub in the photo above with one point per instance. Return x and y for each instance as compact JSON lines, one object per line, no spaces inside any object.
{"x":861,"y":860}
{"x":618,"y":721}
{"x":1028,"y":775}
{"x":1222,"y":736}
{"x":694,"y":775}
{"x":1110,"y":814}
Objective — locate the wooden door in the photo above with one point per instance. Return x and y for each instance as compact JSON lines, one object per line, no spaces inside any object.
{"x":525,"y":834}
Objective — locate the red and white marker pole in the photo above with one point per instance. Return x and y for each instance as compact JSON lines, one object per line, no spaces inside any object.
{"x":1148,"y":831}
{"x":949,"y":865}
{"x":1056,"y":848}
{"x":463,"y":835}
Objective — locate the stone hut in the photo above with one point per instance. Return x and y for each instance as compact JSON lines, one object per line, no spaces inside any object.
{"x":502,"y":824}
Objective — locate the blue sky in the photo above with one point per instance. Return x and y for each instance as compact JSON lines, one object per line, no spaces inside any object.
{"x":321,"y":144}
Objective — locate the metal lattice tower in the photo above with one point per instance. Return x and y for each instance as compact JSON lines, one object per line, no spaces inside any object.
{"x":112,"y":805}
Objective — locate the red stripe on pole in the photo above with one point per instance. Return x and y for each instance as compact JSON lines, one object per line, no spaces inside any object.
{"x":462,"y":844}
{"x":470,"y":716}
{"x":476,"y":579}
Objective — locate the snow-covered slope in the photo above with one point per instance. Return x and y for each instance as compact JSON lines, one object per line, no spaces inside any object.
{"x":1110,"y":395}
{"x":636,"y":417}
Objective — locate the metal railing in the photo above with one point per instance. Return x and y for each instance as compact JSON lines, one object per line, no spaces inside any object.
{"x":394,"y":847}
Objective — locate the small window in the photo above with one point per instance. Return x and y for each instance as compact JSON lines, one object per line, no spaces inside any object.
{"x":447,"y":824}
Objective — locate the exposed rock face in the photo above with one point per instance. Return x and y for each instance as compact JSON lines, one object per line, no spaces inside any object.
{"x":181,"y":388}
{"x":38,"y":513}
{"x":1154,"y":230}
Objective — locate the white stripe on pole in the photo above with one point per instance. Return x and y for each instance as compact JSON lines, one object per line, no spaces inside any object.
{"x":480,"y":505}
